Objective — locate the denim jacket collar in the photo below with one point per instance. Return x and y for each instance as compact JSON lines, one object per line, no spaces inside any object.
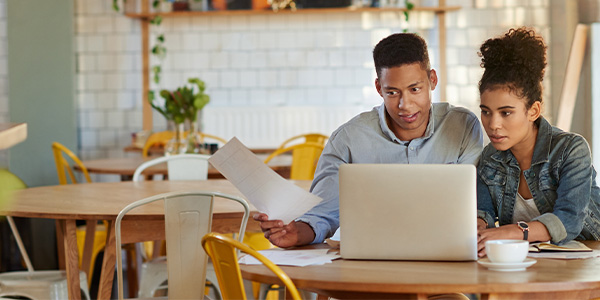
{"x":540,"y":152}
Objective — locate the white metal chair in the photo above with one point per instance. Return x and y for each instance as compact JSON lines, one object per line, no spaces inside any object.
{"x":179,"y":167}
{"x":153,"y":273}
{"x":188,"y":217}
{"x":32,"y":284}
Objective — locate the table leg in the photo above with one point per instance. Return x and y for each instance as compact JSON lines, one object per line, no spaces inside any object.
{"x":88,"y":247}
{"x":108,"y":264}
{"x":68,"y":230}
{"x":60,"y":245}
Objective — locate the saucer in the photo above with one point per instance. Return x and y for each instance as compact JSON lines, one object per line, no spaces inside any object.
{"x":507,"y":267}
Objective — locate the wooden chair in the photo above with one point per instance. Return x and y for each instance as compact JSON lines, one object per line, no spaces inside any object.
{"x":31,"y":284}
{"x":91,"y":235}
{"x":222,"y":251}
{"x":188,"y":217}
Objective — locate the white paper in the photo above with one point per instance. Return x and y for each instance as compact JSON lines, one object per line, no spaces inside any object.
{"x":298,"y":258}
{"x":565,"y":255}
{"x":270,"y":193}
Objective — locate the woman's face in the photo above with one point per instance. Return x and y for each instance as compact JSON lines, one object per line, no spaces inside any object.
{"x":506,"y":119}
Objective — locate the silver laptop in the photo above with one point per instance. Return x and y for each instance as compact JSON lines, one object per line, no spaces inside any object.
{"x":408,"y":212}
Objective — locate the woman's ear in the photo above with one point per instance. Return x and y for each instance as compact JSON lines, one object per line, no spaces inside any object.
{"x":534,"y":112}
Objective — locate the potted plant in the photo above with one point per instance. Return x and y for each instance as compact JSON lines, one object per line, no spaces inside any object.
{"x":180,"y":105}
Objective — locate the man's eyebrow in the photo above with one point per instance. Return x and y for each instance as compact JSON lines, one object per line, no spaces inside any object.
{"x":416,"y":83}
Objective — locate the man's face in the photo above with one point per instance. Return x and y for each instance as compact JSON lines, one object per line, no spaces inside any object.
{"x":406,"y":91}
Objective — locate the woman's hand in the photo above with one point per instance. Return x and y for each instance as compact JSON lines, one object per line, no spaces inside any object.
{"x":506,"y":232}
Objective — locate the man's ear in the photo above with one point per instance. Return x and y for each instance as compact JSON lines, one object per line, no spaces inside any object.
{"x":378,"y":87}
{"x":433,"y":79}
{"x":534,"y":112}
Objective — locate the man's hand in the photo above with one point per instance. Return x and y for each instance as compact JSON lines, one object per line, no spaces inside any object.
{"x":280,"y":235}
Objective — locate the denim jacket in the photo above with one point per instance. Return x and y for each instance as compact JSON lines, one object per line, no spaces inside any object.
{"x":561,"y":179}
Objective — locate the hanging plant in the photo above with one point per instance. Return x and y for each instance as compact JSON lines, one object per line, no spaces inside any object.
{"x":158,"y":50}
{"x":409,"y":7}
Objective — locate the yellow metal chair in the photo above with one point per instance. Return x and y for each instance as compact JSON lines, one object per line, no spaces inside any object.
{"x":308,"y":138}
{"x":222,"y":251}
{"x":96,"y":233}
{"x":158,"y":138}
{"x":304,"y":159}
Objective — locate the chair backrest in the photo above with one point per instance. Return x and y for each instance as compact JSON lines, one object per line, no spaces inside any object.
{"x":305,"y":138}
{"x":63,"y":168}
{"x":9,"y":183}
{"x":158,"y":138}
{"x":304,"y":159}
{"x":188,"y":217}
{"x":214,"y":137}
{"x":180,"y":166}
{"x":222,"y":251}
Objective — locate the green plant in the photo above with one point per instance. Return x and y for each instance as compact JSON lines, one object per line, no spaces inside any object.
{"x":182,"y":103}
{"x":159,"y":50}
{"x":409,"y":7}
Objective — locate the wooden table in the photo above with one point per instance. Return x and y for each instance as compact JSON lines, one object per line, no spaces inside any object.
{"x":125,"y":167}
{"x":103,"y":201}
{"x":362,"y":279}
{"x":12,"y":134}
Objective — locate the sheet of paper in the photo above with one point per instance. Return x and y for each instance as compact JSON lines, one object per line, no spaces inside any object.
{"x":565,"y":255}
{"x":270,"y":193}
{"x":298,"y":258}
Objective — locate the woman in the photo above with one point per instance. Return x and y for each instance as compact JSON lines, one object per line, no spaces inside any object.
{"x":535,"y":180}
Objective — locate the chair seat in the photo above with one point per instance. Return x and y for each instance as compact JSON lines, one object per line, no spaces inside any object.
{"x":39,"y":284}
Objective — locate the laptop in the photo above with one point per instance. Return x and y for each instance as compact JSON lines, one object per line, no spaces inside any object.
{"x":408,"y":212}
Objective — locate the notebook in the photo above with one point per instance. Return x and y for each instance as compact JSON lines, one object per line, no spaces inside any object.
{"x":408,"y":212}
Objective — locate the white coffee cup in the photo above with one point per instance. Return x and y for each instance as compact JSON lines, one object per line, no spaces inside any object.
{"x":507,"y":251}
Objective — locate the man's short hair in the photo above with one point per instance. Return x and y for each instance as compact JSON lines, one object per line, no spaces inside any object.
{"x":401,"y":49}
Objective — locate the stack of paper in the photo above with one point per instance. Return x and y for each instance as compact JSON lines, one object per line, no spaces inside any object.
{"x":298,"y":258}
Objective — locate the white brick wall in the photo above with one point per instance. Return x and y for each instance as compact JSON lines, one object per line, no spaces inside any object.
{"x":264,"y":61}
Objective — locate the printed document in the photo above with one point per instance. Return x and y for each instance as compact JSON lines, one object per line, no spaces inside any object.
{"x":270,"y":193}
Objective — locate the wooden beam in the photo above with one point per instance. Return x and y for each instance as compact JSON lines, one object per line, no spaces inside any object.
{"x":146,"y":108}
{"x":568,"y":95}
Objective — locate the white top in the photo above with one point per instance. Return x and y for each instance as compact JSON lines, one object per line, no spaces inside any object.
{"x":525,"y":209}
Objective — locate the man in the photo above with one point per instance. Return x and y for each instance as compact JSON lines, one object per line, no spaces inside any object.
{"x":407,"y":128}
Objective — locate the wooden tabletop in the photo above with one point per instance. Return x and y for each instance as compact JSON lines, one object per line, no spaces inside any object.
{"x":548,"y":278}
{"x":12,"y":134}
{"x":103,"y":201}
{"x":126,"y":166}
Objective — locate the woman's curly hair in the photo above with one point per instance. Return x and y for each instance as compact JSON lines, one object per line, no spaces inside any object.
{"x":515,"y":61}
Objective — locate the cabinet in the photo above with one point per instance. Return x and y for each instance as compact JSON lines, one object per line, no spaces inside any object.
{"x":145,"y":16}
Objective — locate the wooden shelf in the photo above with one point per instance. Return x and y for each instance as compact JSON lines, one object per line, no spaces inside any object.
{"x":437,"y":10}
{"x":12,"y":134}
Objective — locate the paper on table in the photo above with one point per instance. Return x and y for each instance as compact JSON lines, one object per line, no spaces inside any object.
{"x":265,"y":189}
{"x":565,"y":255}
{"x":298,"y":258}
